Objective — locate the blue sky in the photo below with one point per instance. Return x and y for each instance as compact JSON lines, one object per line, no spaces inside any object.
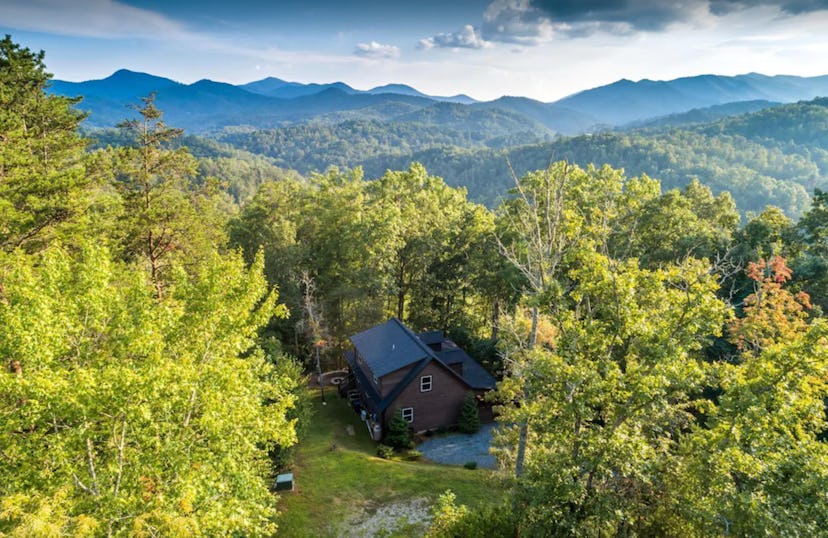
{"x":544,"y":49}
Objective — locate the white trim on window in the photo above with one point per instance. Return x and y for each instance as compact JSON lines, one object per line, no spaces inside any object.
{"x":408,"y":414}
{"x":425,"y":383}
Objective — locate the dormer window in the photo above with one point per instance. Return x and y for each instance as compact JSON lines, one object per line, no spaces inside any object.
{"x":425,"y":383}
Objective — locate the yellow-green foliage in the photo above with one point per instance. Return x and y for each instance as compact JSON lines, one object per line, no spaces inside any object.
{"x":133,"y":415}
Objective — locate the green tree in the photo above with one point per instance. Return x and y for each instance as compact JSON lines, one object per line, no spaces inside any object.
{"x":469,"y":419}
{"x":43,"y":181}
{"x":458,"y":521}
{"x":675,"y":225}
{"x":447,"y":514}
{"x":620,"y":379}
{"x":126,"y":415}
{"x":552,"y":214}
{"x":398,"y":435}
{"x":418,"y":215}
{"x":457,"y":289}
{"x":324,"y":229}
{"x":612,"y":369}
{"x":268,"y":224}
{"x":756,"y":466}
{"x":165,"y":213}
{"x":347,"y":243}
{"x":811,"y":265}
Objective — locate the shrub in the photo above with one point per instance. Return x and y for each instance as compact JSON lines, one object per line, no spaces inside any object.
{"x":446,"y":514}
{"x":471,"y":465}
{"x":485,"y":521}
{"x":412,"y":455}
{"x":398,"y":435}
{"x":469,"y":421}
{"x":451,"y":520}
{"x":385,"y":451}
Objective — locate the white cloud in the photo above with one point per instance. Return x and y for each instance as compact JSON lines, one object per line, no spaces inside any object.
{"x":504,"y":21}
{"x":87,"y":18}
{"x":374,"y":49}
{"x":517,"y":21}
{"x":111,"y":19}
{"x":466,"y":38}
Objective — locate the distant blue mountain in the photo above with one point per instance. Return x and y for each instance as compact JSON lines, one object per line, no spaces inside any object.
{"x":291,"y":90}
{"x":276,"y":87}
{"x":265,"y":86}
{"x":120,"y":85}
{"x":403,"y":89}
{"x":271,"y":102}
{"x":626,"y":101}
{"x":208,"y":105}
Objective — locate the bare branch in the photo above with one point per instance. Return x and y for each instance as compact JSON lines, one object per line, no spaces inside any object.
{"x":120,"y":458}
{"x":91,"y":463}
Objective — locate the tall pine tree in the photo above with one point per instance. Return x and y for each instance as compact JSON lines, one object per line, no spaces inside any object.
{"x":42,"y":176}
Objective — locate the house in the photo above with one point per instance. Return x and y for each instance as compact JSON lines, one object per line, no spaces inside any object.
{"x":424,"y":375}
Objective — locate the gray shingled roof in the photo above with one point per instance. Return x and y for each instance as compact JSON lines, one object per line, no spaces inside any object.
{"x":431,"y":337}
{"x":450,"y":353}
{"x":473,"y":373}
{"x":388,"y":347}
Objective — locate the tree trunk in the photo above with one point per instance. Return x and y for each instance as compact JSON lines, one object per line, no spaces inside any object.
{"x":400,"y":305}
{"x":401,"y":294}
{"x":495,"y":319}
{"x":524,"y":424}
{"x":524,"y":434}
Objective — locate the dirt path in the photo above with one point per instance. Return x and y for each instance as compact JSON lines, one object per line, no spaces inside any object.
{"x":385,"y":519}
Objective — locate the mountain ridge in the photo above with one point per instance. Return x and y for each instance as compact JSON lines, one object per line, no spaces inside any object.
{"x":271,"y":102}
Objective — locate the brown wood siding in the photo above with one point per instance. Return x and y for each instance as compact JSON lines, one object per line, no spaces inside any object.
{"x":389,"y":382}
{"x":438,"y":407}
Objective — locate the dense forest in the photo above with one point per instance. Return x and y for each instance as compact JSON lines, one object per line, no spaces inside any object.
{"x":661,"y":354}
{"x":774,"y":156}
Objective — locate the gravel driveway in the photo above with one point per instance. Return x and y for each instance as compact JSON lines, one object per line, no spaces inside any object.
{"x":458,"y":448}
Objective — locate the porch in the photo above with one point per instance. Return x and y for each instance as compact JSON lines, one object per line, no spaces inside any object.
{"x":348,"y":388}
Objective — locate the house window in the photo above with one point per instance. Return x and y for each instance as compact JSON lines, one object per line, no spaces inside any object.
{"x":425,"y":383}
{"x":408,"y":414}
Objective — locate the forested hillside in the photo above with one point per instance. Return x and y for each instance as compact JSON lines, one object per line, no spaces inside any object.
{"x":775,"y":156}
{"x":312,"y":147}
{"x":660,"y":355}
{"x":762,"y":152}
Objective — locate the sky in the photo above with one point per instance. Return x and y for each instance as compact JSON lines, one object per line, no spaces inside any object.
{"x":543,"y":49}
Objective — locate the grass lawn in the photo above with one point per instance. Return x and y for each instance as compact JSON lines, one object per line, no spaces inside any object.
{"x":338,"y":477}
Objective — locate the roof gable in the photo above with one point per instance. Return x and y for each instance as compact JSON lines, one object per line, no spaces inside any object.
{"x":381,"y":404}
{"x":473,"y":373}
{"x":391,"y":346}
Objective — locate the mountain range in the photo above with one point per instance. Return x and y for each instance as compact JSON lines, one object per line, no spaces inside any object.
{"x":206,"y":105}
